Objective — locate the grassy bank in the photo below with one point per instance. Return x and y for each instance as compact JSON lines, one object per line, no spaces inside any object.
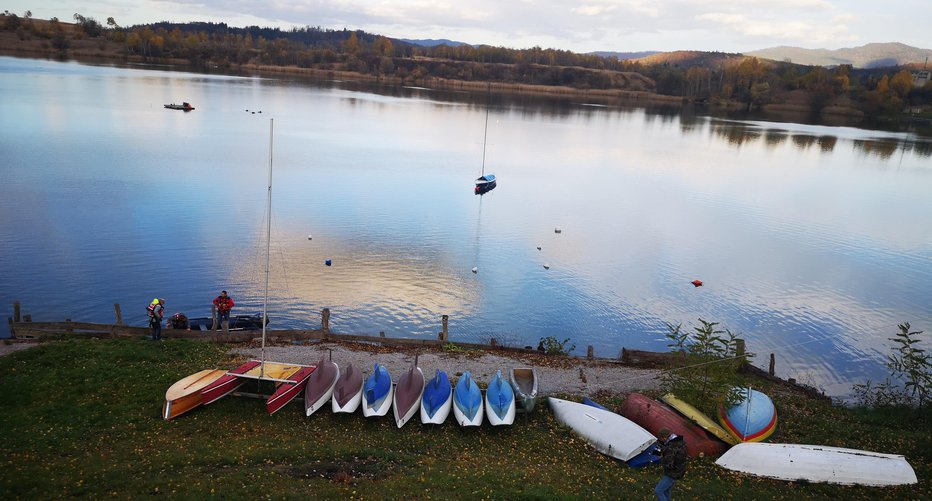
{"x":81,"y":418}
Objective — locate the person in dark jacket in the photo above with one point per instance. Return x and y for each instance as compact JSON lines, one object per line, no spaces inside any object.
{"x":673,"y":460}
{"x":224,"y":304}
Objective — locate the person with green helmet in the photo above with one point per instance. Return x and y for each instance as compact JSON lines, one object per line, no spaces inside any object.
{"x":155,"y":310}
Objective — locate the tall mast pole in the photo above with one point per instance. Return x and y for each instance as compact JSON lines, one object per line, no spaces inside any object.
{"x":268,"y":246}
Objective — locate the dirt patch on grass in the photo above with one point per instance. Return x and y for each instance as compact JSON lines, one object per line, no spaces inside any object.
{"x":341,"y":471}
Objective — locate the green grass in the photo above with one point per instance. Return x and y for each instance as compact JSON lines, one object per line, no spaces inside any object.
{"x":82,"y":418}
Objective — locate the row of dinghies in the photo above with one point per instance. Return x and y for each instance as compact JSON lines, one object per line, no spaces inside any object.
{"x":737,"y":442}
{"x":347,"y":391}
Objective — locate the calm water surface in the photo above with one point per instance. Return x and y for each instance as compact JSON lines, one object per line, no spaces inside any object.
{"x":813,"y":242}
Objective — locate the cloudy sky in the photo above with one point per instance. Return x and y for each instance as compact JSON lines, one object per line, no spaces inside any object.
{"x":576,"y":25}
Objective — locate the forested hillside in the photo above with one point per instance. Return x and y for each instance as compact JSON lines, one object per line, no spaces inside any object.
{"x":705,"y":77}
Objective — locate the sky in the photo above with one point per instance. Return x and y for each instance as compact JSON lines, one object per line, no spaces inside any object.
{"x":574,"y":25}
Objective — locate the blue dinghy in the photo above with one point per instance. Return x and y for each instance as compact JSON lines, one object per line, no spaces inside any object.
{"x":753,"y":419}
{"x":467,"y":402}
{"x":650,"y":455}
{"x":377,"y":392}
{"x":437,"y":399}
{"x":500,"y":401}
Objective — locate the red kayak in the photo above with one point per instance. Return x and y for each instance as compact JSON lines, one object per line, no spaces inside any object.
{"x":288,"y":390}
{"x":653,"y":416}
{"x":227,"y":384}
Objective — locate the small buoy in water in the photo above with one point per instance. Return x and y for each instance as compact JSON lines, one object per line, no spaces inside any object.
{"x":475,"y":269}
{"x":538,"y":247}
{"x":247,"y":110}
{"x":546,"y":266}
{"x":557,"y":230}
{"x":697,"y":283}
{"x":310,"y":237}
{"x":328,"y":262}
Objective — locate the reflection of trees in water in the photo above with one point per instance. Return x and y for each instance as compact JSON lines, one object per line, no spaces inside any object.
{"x":803,"y":141}
{"x":883,"y":149}
{"x":736,"y":134}
{"x":774,"y":137}
{"x":827,"y":143}
{"x":923,"y":149}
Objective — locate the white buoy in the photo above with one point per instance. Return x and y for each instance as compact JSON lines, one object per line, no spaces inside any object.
{"x":546,"y":266}
{"x":557,"y":230}
{"x":475,"y":269}
{"x":310,"y":237}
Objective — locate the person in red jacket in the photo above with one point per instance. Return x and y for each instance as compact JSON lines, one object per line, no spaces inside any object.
{"x":224,"y":304}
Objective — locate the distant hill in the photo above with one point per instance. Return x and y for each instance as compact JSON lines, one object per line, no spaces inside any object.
{"x":690,"y":58}
{"x":433,"y":42}
{"x":624,"y":55}
{"x":872,"y":55}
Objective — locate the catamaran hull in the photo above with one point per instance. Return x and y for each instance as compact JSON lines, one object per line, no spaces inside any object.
{"x":185,"y":394}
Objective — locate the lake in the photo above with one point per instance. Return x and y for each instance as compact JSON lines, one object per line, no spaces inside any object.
{"x":813,"y":242}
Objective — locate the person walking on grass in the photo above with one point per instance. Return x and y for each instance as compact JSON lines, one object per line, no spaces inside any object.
{"x":224,"y":304}
{"x":673,"y":460}
{"x":155,"y":310}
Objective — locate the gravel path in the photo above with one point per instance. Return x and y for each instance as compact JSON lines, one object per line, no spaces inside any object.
{"x":557,"y":375}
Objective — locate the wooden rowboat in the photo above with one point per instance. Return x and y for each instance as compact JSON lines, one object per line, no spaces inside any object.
{"x":437,"y":399}
{"x":319,"y":387}
{"x":467,"y":402}
{"x":227,"y":383}
{"x":524,"y":383}
{"x":377,"y":392}
{"x":408,"y":392}
{"x":289,"y":389}
{"x":347,"y":392}
{"x":609,"y":433}
{"x":185,"y":394}
{"x":654,"y":416}
{"x":818,"y":463}
{"x":500,"y":401}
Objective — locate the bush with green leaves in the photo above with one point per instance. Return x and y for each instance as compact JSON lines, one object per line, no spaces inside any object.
{"x":708,"y":376}
{"x":551,"y":346}
{"x":910,"y":371}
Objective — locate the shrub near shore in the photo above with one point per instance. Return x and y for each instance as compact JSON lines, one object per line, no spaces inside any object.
{"x":82,"y":419}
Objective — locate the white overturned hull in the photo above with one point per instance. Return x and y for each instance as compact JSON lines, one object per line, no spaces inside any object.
{"x":380,"y":408}
{"x":817,"y":463}
{"x":465,"y":421}
{"x":611,"y":434}
{"x":351,"y":405}
{"x":442,"y":412}
{"x":495,"y":420}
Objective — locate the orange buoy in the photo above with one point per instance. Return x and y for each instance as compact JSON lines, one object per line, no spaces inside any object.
{"x":697,"y":283}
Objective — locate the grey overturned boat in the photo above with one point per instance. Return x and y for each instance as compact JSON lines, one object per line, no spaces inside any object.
{"x":408,"y":392}
{"x":320,"y":385}
{"x":524,"y":382}
{"x":347,"y":392}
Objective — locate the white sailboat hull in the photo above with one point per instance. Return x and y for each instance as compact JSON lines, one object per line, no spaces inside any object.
{"x":611,"y":434}
{"x":817,"y":463}
{"x":381,"y":408}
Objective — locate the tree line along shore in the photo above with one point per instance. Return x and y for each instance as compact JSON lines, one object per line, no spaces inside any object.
{"x":715,"y":79}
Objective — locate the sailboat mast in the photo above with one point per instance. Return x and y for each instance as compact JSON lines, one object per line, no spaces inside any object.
{"x":268,"y":246}
{"x":486,"y":136}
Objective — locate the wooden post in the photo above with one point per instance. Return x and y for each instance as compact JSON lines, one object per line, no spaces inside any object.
{"x":325,"y":321}
{"x":9,"y":320}
{"x":28,"y":318}
{"x":590,"y":352}
{"x":16,"y":308}
{"x":493,"y":342}
{"x":381,"y":333}
{"x":444,"y":333}
{"x":773,"y":364}
{"x":213,"y":317}
{"x":119,"y":314}
{"x":739,"y":347}
{"x":226,"y":326}
{"x":69,"y":328}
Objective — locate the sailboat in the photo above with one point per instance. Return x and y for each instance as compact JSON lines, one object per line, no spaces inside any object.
{"x":290,"y":379}
{"x":485,"y":182}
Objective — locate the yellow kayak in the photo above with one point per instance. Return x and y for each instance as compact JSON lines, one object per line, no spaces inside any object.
{"x":699,"y":418}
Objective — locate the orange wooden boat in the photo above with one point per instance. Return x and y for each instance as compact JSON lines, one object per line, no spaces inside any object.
{"x":185,"y":394}
{"x":654,"y":416}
